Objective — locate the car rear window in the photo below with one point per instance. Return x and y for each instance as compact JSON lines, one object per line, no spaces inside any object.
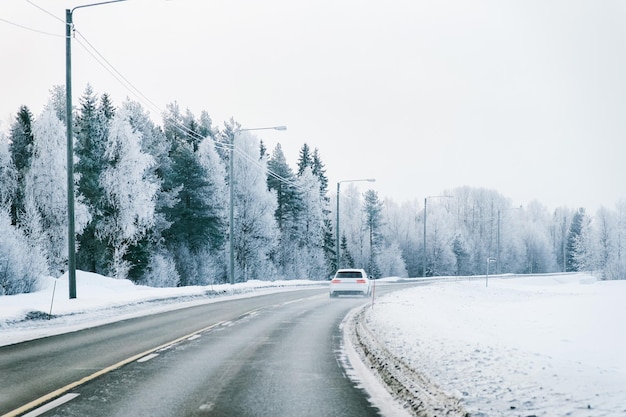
{"x":349,"y":274}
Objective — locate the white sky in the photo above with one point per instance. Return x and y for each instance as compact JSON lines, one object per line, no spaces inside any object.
{"x":524,"y":97}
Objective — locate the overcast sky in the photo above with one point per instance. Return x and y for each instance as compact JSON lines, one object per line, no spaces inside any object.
{"x":524,"y":97}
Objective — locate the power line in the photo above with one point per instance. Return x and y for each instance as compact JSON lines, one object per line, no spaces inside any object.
{"x":100,"y":59}
{"x":31,"y":29}
{"x":45,"y":11}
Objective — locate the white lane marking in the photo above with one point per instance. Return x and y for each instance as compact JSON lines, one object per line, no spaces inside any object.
{"x":51,"y":405}
{"x":194,"y":337}
{"x":148,"y":357}
{"x":54,"y":394}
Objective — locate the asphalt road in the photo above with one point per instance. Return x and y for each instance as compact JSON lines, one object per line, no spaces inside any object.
{"x":272,"y":355}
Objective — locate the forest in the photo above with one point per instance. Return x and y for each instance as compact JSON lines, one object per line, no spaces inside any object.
{"x":152,"y":205}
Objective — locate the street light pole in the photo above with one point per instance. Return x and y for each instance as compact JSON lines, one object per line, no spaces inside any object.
{"x":71,"y":230}
{"x":231,"y":186}
{"x":424,"y":243}
{"x":338,"y":188}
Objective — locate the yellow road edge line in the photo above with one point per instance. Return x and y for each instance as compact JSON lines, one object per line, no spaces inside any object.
{"x":57,"y":393}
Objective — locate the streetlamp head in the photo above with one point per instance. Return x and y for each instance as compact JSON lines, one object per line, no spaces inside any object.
{"x":280,"y":128}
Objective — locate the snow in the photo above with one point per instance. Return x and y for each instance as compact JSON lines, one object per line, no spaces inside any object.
{"x":522,"y":346}
{"x":102,"y":300}
{"x":541,"y":345}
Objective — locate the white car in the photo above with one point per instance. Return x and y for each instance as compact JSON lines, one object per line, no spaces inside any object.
{"x":350,"y":281}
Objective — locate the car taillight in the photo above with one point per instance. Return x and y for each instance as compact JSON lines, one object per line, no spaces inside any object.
{"x":360,"y":281}
{"x":336,"y":281}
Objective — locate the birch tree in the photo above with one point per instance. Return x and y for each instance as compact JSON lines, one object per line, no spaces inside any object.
{"x":8,"y":174}
{"x":46,"y":189}
{"x":309,"y":262}
{"x":255,"y":230}
{"x":129,"y":191}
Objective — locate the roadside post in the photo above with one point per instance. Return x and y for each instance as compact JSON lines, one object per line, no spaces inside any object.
{"x":490,"y":260}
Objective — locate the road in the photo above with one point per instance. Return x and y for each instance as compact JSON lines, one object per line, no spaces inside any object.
{"x":271,"y":355}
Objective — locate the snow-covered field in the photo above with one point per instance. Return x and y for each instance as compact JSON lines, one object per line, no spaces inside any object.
{"x":523,"y":346}
{"x":552,"y":345}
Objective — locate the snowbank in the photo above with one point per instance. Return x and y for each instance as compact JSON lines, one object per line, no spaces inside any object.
{"x":102,"y":300}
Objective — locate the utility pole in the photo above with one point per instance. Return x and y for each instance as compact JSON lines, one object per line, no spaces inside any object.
{"x":71,"y":230}
{"x":71,"y":236}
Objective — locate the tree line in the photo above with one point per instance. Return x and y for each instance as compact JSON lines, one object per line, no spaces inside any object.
{"x":152,"y":205}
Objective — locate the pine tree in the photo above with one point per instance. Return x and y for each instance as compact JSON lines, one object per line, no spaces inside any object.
{"x":314,"y":162}
{"x":347,"y":261}
{"x":21,"y":148}
{"x":573,"y":238}
{"x":308,"y":254}
{"x":281,"y":180}
{"x":304,"y":159}
{"x":319,"y":171}
{"x":91,"y":131}
{"x":373,"y":207}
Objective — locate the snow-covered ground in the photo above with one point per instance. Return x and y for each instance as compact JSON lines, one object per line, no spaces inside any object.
{"x":103,"y":300}
{"x":521,"y":346}
{"x":551,"y":345}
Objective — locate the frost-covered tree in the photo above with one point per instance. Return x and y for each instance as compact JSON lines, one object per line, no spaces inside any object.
{"x":8,"y":174}
{"x":91,"y":127}
{"x":403,"y":227}
{"x":440,"y":235}
{"x":198,"y":216}
{"x":319,"y":170}
{"x":390,"y":262}
{"x":304,"y":159}
{"x":351,"y":220}
{"x":282,"y":181}
{"x":308,"y":251}
{"x":21,"y":265}
{"x":58,"y":102}
{"x":46,"y":189}
{"x":573,"y":238}
{"x":616,"y":269}
{"x":604,"y":235}
{"x":255,"y":229}
{"x":585,"y":249}
{"x":186,"y":127}
{"x":161,"y":270}
{"x":347,"y":260}
{"x":154,"y":143}
{"x":534,"y":236}
{"x":129,"y":192}
{"x":372,"y":210}
{"x":559,"y":231}
{"x":21,"y":149}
